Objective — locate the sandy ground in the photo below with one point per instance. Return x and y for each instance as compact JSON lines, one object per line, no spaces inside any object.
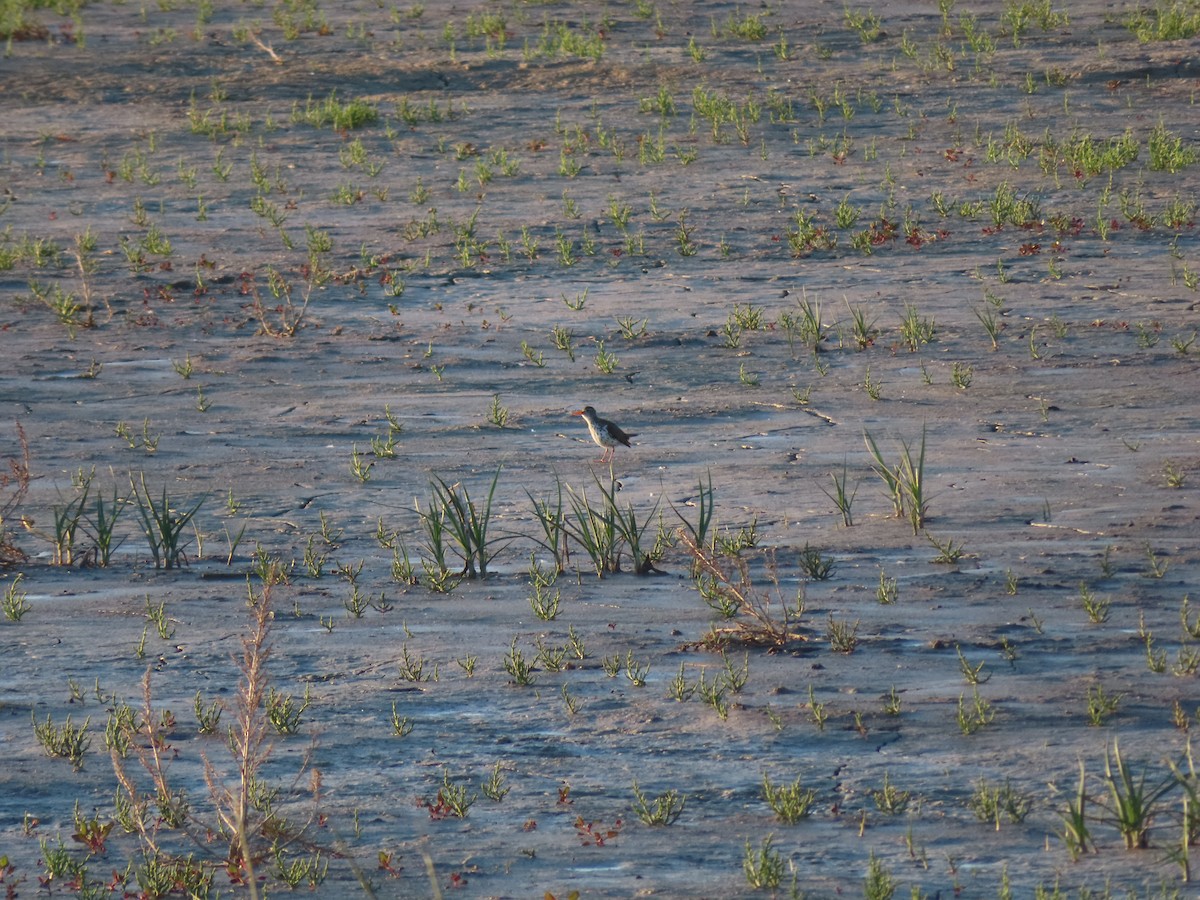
{"x":1049,"y":464}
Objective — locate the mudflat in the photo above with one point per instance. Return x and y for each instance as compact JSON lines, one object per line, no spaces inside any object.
{"x":889,"y":594}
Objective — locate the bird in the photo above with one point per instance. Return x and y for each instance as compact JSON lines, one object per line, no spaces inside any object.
{"x":604,"y":432}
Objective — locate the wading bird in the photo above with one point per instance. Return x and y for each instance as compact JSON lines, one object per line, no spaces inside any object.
{"x":604,"y":432}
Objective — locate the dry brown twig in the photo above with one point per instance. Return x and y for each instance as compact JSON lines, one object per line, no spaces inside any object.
{"x":265,"y":47}
{"x":150,"y":753}
{"x":247,"y":739}
{"x":764,"y":616}
{"x":13,"y":485}
{"x":253,"y":833}
{"x":288,"y":312}
{"x":86,"y":267}
{"x":235,"y":807}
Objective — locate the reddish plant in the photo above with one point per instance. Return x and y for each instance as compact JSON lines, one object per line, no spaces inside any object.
{"x":593,"y":833}
{"x":385,"y":864}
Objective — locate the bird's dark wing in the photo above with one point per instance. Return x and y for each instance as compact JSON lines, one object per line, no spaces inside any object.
{"x":620,"y":436}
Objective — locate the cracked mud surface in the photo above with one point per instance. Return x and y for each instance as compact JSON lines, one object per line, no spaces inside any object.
{"x":1049,"y":467}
